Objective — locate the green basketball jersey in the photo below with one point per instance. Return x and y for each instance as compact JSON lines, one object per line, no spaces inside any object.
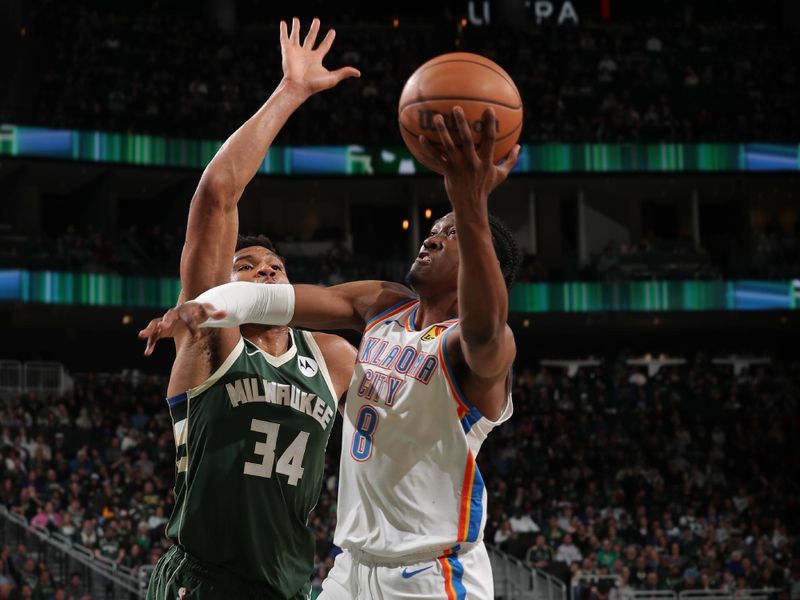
{"x":250,"y":457}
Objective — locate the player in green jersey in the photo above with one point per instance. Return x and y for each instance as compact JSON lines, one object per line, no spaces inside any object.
{"x":252,"y":408}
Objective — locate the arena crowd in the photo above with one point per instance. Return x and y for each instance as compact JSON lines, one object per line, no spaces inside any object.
{"x":611,"y":480}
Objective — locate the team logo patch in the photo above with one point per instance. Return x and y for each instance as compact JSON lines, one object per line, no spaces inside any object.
{"x":433,"y":333}
{"x":308,"y":366}
{"x":181,"y":594}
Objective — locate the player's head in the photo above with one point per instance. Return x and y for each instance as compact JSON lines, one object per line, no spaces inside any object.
{"x":436,"y":264}
{"x":255,"y":259}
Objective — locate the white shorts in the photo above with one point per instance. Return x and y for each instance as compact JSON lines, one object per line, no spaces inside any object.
{"x":460,"y":575}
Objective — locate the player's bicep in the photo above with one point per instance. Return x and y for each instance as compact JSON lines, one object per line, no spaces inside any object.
{"x":211,"y":231}
{"x":490,"y":359}
{"x":344,"y":306}
{"x":482,"y":371}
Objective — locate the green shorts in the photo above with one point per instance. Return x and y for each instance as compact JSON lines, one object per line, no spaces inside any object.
{"x":179,"y":576}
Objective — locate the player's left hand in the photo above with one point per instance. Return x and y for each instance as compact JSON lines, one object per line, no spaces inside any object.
{"x":302,"y":63}
{"x":188,"y":315}
{"x":470,"y":173}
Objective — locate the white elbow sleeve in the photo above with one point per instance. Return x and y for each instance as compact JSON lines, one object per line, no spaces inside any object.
{"x":248,"y":302}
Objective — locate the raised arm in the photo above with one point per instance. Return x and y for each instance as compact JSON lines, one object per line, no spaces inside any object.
{"x":213,"y":218}
{"x":485,"y":343}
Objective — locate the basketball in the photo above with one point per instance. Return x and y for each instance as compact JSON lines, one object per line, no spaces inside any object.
{"x":470,"y":81}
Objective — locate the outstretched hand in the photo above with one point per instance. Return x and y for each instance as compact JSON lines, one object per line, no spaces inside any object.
{"x":302,"y":64}
{"x":470,"y":173}
{"x":189,"y":315}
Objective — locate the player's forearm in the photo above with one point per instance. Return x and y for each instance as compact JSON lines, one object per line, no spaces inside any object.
{"x":482,"y":295}
{"x":307,"y":306}
{"x":238,"y":159}
{"x":246,"y":302}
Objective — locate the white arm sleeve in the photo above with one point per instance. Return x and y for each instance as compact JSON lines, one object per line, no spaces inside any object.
{"x":250,"y":302}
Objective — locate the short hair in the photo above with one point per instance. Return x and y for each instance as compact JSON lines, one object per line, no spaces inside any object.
{"x":245,"y":241}
{"x":506,"y":249}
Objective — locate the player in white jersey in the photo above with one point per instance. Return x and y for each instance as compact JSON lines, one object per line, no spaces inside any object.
{"x":431,"y":380}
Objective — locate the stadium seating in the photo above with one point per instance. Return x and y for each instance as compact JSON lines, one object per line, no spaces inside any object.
{"x":682,"y":78}
{"x":678,"y":479}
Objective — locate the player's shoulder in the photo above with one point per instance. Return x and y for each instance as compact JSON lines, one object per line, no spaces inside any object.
{"x":339,"y":354}
{"x":329,"y":342}
{"x":393,"y":297}
{"x":375,"y":297}
{"x":453,"y":329}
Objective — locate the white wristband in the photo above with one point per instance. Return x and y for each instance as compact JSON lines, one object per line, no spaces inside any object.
{"x":250,"y":302}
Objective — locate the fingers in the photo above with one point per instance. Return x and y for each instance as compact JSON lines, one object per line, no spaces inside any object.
{"x":294,"y":35}
{"x":192,"y":318}
{"x":429,"y":151}
{"x":151,"y":344}
{"x":218,"y":314}
{"x":190,"y":314}
{"x":444,"y":137}
{"x":345,"y":73}
{"x":161,"y":331}
{"x":505,"y":166}
{"x":311,"y":36}
{"x":488,"y":134}
{"x":193,"y":315}
{"x":325,"y":45}
{"x":464,"y":133}
{"x":284,"y":36}
{"x":152,"y":339}
{"x":147,"y":334}
{"x":151,"y":327}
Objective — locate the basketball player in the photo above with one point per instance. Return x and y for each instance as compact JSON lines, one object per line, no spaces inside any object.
{"x":252,"y":408}
{"x":432,"y":379}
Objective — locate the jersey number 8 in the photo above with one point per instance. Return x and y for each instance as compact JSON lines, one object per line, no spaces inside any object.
{"x":366,"y":424}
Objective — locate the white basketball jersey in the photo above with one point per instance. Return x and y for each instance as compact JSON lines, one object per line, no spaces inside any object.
{"x":408,"y":482}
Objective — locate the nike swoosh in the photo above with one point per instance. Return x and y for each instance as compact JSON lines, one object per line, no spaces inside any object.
{"x":407,"y":573}
{"x":251,"y":353}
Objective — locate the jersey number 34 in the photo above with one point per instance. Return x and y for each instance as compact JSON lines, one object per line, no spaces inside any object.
{"x":291,"y":461}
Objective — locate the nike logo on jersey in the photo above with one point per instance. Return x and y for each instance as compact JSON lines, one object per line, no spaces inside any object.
{"x":408,"y":574}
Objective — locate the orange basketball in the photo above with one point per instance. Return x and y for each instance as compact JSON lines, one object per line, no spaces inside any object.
{"x":459,"y":79}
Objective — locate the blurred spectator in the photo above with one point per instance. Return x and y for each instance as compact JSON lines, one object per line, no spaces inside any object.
{"x":568,"y":552}
{"x":47,"y":518}
{"x":607,"y":556}
{"x":521,"y":521}
{"x":504,"y":535}
{"x":540,"y":555}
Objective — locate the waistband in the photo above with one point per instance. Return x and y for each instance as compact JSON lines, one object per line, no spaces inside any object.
{"x":223,"y":578}
{"x":372,"y":560}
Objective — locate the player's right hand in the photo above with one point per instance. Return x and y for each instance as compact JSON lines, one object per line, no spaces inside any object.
{"x":470,"y":173}
{"x":302,"y":64}
{"x":189,"y":315}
